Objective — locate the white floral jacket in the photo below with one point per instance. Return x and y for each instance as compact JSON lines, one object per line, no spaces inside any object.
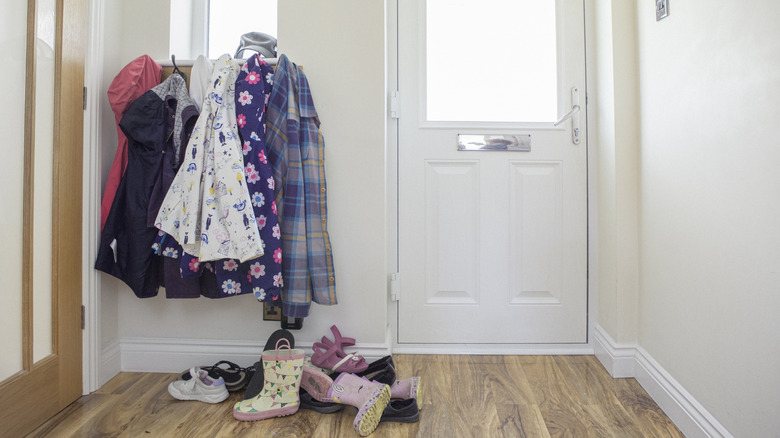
{"x":208,"y":209}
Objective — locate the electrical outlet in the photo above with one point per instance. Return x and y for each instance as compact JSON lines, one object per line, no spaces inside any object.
{"x":271,"y":312}
{"x":661,"y":9}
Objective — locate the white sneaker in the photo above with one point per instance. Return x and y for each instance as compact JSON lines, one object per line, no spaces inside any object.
{"x":200,"y":387}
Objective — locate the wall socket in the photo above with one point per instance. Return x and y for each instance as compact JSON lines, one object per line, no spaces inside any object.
{"x":661,"y":9}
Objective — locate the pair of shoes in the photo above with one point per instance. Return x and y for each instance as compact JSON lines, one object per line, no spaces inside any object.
{"x":234,"y":376}
{"x":383,"y":371}
{"x":279,"y":397}
{"x":330,"y":354}
{"x":256,"y":381}
{"x":201,"y":387}
{"x":371,"y":398}
{"x":399,"y":411}
{"x":402,"y":409}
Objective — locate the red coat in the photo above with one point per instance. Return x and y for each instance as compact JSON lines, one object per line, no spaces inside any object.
{"x":135,"y":79}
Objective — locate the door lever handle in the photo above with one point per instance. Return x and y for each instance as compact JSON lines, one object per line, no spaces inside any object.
{"x":568,"y":115}
{"x":575,"y":121}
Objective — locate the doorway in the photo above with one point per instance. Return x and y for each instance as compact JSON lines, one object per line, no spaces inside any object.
{"x":492,"y":180}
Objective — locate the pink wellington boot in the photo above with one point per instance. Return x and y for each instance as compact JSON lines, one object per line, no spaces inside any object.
{"x":408,"y":388}
{"x":369,"y":397}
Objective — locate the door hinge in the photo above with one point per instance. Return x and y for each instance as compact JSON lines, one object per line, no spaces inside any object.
{"x":395,"y":286}
{"x":84,"y":97}
{"x":83,"y":317}
{"x":394,"y":105}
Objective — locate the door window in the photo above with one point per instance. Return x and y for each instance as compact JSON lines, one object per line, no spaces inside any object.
{"x":491,"y":61}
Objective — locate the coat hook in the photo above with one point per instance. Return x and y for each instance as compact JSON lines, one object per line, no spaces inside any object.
{"x":176,"y":68}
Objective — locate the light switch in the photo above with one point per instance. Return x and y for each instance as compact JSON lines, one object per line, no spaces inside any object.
{"x":661,"y":9}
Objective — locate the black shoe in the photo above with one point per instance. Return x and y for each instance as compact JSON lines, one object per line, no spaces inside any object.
{"x":382,"y":371}
{"x":401,"y":411}
{"x":309,"y":402}
{"x":377,"y":365}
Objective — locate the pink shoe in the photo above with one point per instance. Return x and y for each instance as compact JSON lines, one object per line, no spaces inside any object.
{"x":370,"y":398}
{"x":407,"y":388}
{"x":327,"y":357}
{"x":339,"y":340}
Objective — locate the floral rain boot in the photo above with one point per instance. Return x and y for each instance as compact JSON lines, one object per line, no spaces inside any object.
{"x":369,"y":397}
{"x":279,"y":397}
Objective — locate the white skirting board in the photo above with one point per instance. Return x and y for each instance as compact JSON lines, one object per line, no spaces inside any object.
{"x":617,"y":359}
{"x":110,"y":364}
{"x":174,"y":355}
{"x":678,"y":404}
{"x":494,"y":349}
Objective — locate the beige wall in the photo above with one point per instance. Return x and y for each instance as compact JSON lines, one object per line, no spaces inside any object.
{"x":615,"y":142}
{"x":689,"y":198}
{"x":709,"y":80}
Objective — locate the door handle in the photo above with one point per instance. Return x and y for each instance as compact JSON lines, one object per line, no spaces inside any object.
{"x":575,"y":121}
{"x":568,"y":115}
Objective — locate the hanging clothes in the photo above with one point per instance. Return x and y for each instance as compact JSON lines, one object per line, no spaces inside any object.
{"x":135,"y":79}
{"x":156,"y":125}
{"x":208,"y":207}
{"x":261,"y":276}
{"x":296,"y":153}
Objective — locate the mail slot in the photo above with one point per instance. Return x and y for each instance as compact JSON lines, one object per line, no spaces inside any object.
{"x":516,"y":143}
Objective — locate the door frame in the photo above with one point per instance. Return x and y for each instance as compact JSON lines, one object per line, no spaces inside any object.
{"x":393,"y":171}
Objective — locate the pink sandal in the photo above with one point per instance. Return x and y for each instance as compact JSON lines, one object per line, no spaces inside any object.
{"x":328,"y":357}
{"x":339,"y":340}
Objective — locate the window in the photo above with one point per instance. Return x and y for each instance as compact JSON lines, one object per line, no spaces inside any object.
{"x":211,"y":28}
{"x":229,"y":19}
{"x":491,"y":60}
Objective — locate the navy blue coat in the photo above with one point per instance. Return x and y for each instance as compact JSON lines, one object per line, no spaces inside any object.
{"x":155,"y":148}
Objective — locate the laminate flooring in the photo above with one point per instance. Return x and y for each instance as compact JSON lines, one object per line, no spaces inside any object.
{"x":462,"y":396}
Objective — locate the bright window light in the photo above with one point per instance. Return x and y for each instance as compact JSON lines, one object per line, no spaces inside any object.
{"x":229,"y":19}
{"x":491,"y":60}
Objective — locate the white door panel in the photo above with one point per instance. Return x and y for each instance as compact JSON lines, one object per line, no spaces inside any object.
{"x":492,"y":244}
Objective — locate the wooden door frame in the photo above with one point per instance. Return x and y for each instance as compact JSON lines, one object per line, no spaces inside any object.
{"x":59,"y":374}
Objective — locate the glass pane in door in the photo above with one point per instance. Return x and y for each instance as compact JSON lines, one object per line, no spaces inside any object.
{"x":13,"y":43}
{"x":43,"y":162}
{"x":491,"y":60}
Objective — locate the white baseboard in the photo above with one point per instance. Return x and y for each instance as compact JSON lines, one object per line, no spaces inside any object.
{"x":175,"y":355}
{"x":110,"y":363}
{"x":494,"y":349}
{"x":679,"y":405}
{"x":617,"y":359}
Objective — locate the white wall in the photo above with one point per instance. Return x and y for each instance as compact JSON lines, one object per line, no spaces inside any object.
{"x":710,"y":205}
{"x":344,"y":60}
{"x":615,"y":141}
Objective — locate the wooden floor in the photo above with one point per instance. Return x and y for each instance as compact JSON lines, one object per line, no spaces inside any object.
{"x":463,"y":396}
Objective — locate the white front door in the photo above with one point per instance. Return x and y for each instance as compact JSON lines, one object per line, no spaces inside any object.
{"x":492,"y":243}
